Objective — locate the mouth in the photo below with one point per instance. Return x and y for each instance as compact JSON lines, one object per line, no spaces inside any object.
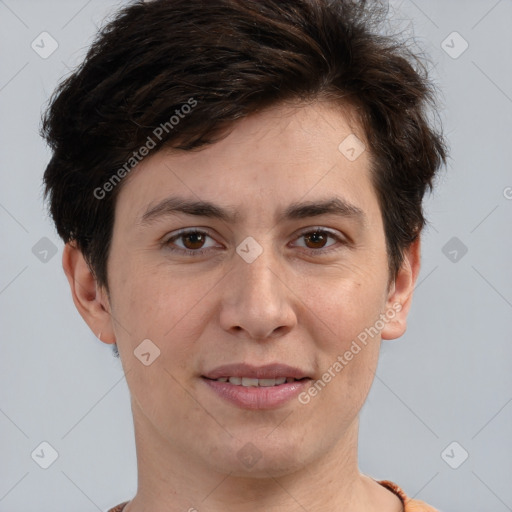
{"x":252,"y":382}
{"x":252,"y":375}
{"x":250,"y":387}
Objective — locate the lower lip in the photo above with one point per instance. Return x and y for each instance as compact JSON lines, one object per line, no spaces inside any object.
{"x":257,"y":397}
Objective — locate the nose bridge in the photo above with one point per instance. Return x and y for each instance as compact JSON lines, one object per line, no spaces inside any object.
{"x":256,"y":275}
{"x":256,"y":300}
{"x":259,"y":275}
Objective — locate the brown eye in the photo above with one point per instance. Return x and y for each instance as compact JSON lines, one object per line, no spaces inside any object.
{"x":316,"y":240}
{"x":194,"y":240}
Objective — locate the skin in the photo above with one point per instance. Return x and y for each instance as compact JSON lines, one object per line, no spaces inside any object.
{"x":289,"y":305}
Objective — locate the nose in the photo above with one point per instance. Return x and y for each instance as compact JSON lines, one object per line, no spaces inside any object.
{"x":257,"y":299}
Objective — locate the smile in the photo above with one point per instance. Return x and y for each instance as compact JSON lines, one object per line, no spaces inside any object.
{"x":252,"y":393}
{"x":249,"y":381}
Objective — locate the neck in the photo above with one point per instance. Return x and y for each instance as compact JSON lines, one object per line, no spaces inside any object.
{"x":170,"y":480}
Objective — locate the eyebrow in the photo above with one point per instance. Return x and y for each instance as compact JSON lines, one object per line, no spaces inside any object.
{"x":299,"y":210}
{"x":176,"y":205}
{"x":333,"y":206}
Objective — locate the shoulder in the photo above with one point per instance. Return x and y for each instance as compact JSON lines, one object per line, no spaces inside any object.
{"x":119,"y":507}
{"x":410,"y":505}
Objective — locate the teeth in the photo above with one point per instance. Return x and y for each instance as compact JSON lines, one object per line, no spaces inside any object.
{"x":251,"y":382}
{"x":246,"y":381}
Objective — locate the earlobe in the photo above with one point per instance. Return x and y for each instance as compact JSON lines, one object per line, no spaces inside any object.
{"x":400,"y":296}
{"x":90,"y":300}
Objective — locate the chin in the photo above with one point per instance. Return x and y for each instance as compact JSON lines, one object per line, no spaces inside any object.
{"x":260,"y":457}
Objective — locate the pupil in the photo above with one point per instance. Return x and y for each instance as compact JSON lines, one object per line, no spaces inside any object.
{"x":316,"y":238}
{"x":196,"y":240}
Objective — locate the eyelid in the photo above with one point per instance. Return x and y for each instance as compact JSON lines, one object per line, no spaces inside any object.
{"x":312,"y":229}
{"x":184,"y":231}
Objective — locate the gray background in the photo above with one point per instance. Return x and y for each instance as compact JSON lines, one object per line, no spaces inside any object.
{"x":446,"y":380}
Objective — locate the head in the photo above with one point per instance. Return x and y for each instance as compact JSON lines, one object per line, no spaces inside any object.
{"x":303,"y":139}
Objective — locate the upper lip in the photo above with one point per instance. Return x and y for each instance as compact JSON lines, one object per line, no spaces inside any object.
{"x":269,"y":371}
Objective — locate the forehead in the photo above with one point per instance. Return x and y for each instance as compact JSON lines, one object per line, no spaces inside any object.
{"x":278,"y":156}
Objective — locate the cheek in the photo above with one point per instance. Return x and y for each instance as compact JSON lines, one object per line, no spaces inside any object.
{"x":149,"y":299}
{"x":347,"y":365}
{"x":342,"y":306}
{"x":165,"y":307}
{"x":168,"y":313}
{"x":342,"y":319}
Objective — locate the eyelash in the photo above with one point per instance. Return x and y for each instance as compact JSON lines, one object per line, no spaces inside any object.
{"x":200,"y":252}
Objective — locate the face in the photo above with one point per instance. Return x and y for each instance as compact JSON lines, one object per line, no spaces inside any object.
{"x":283,"y":263}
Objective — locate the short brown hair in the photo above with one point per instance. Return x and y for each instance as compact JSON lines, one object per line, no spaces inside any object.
{"x":233,"y":58}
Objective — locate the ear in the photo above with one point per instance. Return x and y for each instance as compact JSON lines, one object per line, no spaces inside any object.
{"x":90,"y":300}
{"x":400,"y":293}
